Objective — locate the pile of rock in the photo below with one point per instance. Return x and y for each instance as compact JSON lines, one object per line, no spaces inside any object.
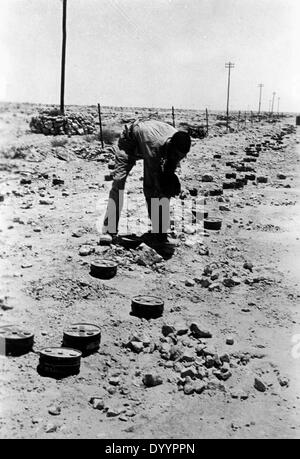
{"x":56,"y":124}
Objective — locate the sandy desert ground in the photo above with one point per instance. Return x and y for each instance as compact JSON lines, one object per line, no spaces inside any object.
{"x":241,"y":283}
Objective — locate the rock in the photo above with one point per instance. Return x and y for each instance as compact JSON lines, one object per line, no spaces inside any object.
{"x":86,"y":250}
{"x":190,"y":371}
{"x":46,"y":202}
{"x":26,"y":265}
{"x":248,"y":266}
{"x":260,"y":385}
{"x":283,"y":381}
{"x":224,"y":208}
{"x":151,"y":380}
{"x":207,"y":178}
{"x":225,"y":358}
{"x":189,"y":282}
{"x":188,"y":389}
{"x":223,"y":376}
{"x":54,"y":410}
{"x":209,"y":361}
{"x":203,"y":251}
{"x":188,"y":229}
{"x":114,"y":380}
{"x":181,"y":328}
{"x":203,"y":281}
{"x":281,"y":176}
{"x":229,"y":341}
{"x":215,"y":385}
{"x":136,"y":346}
{"x":1,"y":197}
{"x":113,"y":411}
{"x":25,"y":181}
{"x":175,"y":352}
{"x":231,"y":281}
{"x":199,"y":387}
{"x":146,"y":256}
{"x":57,"y":181}
{"x":167,"y":329}
{"x":197,"y":332}
{"x":50,"y":428}
{"x":262,"y":179}
{"x":78,"y":233}
{"x":188,"y":356}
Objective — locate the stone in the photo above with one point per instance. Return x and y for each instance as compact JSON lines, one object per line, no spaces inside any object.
{"x":57,"y":181}
{"x":207,"y":178}
{"x":223,"y":376}
{"x":198,"y":332}
{"x":189,"y":282}
{"x":50,"y":428}
{"x":224,"y":208}
{"x":151,"y":380}
{"x":188,"y":356}
{"x":188,"y":229}
{"x":260,"y":385}
{"x":136,"y":346}
{"x":283,"y":381}
{"x":204,"y":282}
{"x":281,"y":176}
{"x":229,"y":340}
{"x":46,"y":202}
{"x":54,"y":410}
{"x":167,"y":329}
{"x":188,"y":389}
{"x":181,"y":328}
{"x":231,"y":281}
{"x":146,"y":256}
{"x":97,"y":403}
{"x":190,"y":371}
{"x":114,"y":380}
{"x":248,"y":266}
{"x":199,"y":387}
{"x":86,"y":250}
{"x":114,"y":411}
{"x":209,"y":361}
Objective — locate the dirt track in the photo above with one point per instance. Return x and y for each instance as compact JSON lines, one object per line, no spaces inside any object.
{"x":54,"y":288}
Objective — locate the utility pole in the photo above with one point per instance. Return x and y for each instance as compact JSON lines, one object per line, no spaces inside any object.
{"x":260,"y":92}
{"x":206,"y":116}
{"x":278,"y":105}
{"x":229,"y":66}
{"x":63,"y":58}
{"x":273,"y":102}
{"x":100,"y":125}
{"x":173,"y":116}
{"x":270,"y":107}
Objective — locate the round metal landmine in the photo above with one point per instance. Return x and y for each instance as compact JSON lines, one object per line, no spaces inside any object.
{"x":83,"y":337}
{"x":59,"y":361}
{"x":213,"y":224}
{"x":147,"y":306}
{"x":103,"y":269}
{"x":14,"y":340}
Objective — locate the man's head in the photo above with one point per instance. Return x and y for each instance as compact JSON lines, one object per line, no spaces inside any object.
{"x":179,"y":145}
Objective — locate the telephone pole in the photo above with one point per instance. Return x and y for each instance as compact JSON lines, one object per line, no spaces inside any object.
{"x":278,"y":105}
{"x":260,"y":92}
{"x":63,"y":57}
{"x":273,"y":102}
{"x":229,"y":66}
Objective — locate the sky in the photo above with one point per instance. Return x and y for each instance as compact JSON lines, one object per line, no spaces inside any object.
{"x":154,"y":53}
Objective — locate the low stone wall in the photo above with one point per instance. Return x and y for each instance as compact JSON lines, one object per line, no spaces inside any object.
{"x":70,"y":123}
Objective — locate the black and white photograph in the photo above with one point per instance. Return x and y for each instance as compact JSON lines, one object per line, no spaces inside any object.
{"x":149,"y":222}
